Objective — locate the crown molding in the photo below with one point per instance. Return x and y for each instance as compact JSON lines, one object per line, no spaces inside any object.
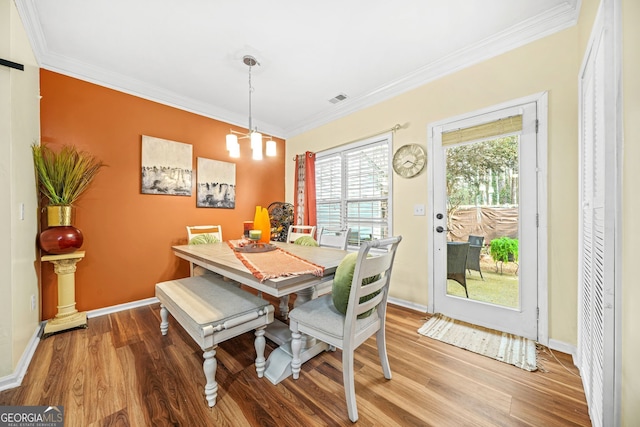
{"x":126,"y":84}
{"x":537,"y":27}
{"x":554,"y":20}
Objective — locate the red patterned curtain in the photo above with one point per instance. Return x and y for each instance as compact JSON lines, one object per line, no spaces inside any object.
{"x":305,"y":189}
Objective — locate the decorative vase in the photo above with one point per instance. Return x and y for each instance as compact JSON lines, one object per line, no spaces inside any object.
{"x":261,"y":222}
{"x":61,"y":237}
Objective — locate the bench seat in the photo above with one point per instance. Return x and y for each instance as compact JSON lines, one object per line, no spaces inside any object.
{"x":211,"y":311}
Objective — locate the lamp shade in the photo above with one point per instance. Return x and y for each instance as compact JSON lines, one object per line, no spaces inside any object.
{"x":257,"y":153}
{"x":235,"y":151}
{"x":271,"y":148}
{"x":256,"y":141}
{"x":232,"y":141}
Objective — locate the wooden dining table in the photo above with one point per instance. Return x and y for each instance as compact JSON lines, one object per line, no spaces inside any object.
{"x":221,"y":258}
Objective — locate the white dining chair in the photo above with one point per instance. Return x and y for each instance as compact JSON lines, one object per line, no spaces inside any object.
{"x":364,"y":315}
{"x":201,"y":234}
{"x":333,"y":237}
{"x":296,"y":231}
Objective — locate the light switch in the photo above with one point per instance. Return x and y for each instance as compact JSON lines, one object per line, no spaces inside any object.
{"x":418,"y":210}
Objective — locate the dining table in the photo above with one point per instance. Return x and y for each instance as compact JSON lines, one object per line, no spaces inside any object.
{"x":222,"y":258}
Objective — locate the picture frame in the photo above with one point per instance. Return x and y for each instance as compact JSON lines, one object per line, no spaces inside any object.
{"x":167,"y":167}
{"x":216,"y":184}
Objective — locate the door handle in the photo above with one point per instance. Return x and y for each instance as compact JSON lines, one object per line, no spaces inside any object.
{"x":440,"y":229}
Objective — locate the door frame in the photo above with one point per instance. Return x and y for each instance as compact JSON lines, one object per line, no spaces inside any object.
{"x":541,"y":100}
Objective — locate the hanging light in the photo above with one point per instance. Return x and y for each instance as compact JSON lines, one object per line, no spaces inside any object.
{"x":271,"y":148}
{"x":233,"y":146}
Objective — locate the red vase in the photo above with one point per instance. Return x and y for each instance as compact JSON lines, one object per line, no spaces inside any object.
{"x":60,"y":240}
{"x":61,"y":237}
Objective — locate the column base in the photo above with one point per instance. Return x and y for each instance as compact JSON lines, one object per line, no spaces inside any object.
{"x":57,"y":324}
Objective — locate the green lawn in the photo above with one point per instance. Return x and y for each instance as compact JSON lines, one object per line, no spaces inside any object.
{"x":496,"y":288}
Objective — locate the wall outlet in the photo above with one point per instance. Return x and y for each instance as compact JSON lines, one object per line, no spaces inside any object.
{"x":418,"y":210}
{"x":33,"y":302}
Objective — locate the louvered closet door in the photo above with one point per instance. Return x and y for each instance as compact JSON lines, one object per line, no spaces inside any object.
{"x":596,"y":274}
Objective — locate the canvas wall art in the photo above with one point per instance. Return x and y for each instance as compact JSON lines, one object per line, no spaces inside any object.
{"x":216,"y":186}
{"x":166,"y":167}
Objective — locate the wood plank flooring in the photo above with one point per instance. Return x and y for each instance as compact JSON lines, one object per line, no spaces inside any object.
{"x":122,"y":372}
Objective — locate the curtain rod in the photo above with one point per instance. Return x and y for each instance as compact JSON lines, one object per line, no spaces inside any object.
{"x":396,"y":127}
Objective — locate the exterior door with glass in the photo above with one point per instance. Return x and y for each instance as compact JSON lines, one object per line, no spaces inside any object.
{"x":485,"y":212}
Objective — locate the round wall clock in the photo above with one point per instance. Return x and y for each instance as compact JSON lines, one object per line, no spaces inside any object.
{"x":409,"y":160}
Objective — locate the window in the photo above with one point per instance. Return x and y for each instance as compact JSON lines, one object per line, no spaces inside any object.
{"x":353,"y":188}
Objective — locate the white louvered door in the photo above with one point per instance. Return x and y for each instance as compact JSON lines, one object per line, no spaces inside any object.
{"x":598,"y":198}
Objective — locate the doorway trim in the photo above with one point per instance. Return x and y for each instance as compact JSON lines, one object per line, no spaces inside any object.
{"x":541,"y":100}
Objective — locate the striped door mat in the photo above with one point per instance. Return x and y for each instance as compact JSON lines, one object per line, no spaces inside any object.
{"x":508,"y":348}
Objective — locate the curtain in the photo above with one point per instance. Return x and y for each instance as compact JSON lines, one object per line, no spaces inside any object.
{"x":305,"y":189}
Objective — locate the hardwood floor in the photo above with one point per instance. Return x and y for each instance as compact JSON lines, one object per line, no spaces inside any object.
{"x":122,"y":372}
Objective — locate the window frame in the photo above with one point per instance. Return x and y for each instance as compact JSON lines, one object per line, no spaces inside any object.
{"x":342,"y":151}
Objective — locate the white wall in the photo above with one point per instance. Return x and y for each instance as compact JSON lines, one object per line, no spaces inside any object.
{"x":19,"y":128}
{"x":630,"y":208}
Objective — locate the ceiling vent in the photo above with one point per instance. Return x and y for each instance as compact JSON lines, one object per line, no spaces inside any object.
{"x":338,"y":98}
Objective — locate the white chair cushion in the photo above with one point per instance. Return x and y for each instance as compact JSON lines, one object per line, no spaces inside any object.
{"x":322,"y":315}
{"x":207,"y":299}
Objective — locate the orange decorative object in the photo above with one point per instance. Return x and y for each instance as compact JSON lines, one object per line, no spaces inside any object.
{"x":261,"y":222}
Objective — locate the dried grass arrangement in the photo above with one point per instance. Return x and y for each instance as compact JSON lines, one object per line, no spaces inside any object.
{"x":63,"y":176}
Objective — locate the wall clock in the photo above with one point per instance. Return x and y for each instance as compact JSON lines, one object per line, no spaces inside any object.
{"x":409,"y":160}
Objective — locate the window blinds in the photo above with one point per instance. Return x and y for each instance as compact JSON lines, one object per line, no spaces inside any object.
{"x":352,"y":190}
{"x":484,"y":131}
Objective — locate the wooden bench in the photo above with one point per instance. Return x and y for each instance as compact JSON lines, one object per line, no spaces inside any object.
{"x":212,"y":311}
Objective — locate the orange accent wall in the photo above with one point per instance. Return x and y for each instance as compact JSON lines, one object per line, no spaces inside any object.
{"x":128,"y":235}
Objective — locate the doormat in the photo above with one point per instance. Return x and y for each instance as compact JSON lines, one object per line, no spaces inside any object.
{"x":507,"y":348}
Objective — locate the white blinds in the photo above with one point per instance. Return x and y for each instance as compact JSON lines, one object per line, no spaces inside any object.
{"x":352,"y":190}
{"x":499,"y":127}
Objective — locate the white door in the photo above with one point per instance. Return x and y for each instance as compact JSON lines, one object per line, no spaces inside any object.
{"x":484,"y":304}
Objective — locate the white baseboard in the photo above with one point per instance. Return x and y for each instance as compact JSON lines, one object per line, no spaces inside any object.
{"x":15,"y":379}
{"x":564,"y":348}
{"x":407,"y":304}
{"x":121,"y":307}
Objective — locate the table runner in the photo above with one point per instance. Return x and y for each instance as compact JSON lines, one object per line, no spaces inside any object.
{"x":276,"y":263}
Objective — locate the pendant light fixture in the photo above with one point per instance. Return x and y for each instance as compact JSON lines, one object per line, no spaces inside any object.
{"x":254,"y":136}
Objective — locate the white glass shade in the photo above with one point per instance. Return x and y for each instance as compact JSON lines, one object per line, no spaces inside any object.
{"x":257,"y":153}
{"x":234,"y":151}
{"x":271,"y":148}
{"x":232,"y":141}
{"x":256,"y":141}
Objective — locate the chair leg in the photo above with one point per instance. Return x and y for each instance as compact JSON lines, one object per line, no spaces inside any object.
{"x":260,"y":344}
{"x":210,"y":366}
{"x":381,"y":341}
{"x":296,"y":347}
{"x":349,"y":383}
{"x":164,"y":316}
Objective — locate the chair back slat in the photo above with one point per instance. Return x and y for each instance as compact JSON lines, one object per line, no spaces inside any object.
{"x":368,"y":265}
{"x":333,"y":238}
{"x":213,"y":230}
{"x":296,"y":231}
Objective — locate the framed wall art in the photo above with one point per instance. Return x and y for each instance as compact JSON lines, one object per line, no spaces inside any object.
{"x":166,"y":167}
{"x":216,"y":184}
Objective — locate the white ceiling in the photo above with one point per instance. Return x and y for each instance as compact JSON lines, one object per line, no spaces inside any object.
{"x":188,"y":53}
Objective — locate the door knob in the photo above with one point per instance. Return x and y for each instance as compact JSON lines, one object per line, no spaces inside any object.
{"x":439,"y":229}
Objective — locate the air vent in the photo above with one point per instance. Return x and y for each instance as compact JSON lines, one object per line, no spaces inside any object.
{"x":338,"y":98}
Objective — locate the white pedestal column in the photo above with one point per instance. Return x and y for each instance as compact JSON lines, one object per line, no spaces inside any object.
{"x":68,"y":317}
